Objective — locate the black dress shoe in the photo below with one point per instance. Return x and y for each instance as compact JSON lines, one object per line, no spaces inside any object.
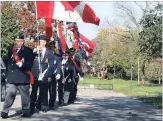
{"x":32,"y":111}
{"x":26,"y":115}
{"x":51,"y":106}
{"x":71,"y":102}
{"x":45,"y":108}
{"x":54,"y":107}
{"x":64,"y":104}
{"x":59,"y":103}
{"x":38,"y":106}
{"x":4,"y":115}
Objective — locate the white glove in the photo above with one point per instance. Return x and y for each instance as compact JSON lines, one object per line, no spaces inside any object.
{"x":19,"y":64}
{"x":88,"y":63}
{"x":49,"y":79}
{"x":58,"y":76}
{"x":35,"y":50}
{"x":81,"y":78}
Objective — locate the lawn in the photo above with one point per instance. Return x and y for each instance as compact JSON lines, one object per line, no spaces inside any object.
{"x":106,"y":84}
{"x":149,"y":93}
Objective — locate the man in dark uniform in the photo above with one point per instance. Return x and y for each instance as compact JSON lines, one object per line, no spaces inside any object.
{"x":59,"y":80}
{"x":56,"y":75}
{"x":76,"y":58}
{"x":43,"y":72}
{"x":19,"y":64}
{"x":67,"y":76}
{"x":53,"y":45}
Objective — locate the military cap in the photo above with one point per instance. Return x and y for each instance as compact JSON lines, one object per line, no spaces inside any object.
{"x":42,"y":37}
{"x":20,"y":36}
{"x":72,"y":49}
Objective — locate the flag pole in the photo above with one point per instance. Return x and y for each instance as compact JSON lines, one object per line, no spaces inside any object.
{"x":39,"y":56}
{"x":66,"y":32}
{"x":81,"y":47}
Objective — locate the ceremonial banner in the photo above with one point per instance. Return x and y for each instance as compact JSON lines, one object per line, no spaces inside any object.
{"x":63,"y":43}
{"x":87,"y":45}
{"x":72,"y":11}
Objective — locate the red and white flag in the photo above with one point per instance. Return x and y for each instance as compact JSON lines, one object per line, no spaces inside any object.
{"x":61,"y":38}
{"x":71,"y":11}
{"x":88,"y":45}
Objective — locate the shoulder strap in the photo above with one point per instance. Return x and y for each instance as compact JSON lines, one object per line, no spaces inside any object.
{"x":16,"y":57}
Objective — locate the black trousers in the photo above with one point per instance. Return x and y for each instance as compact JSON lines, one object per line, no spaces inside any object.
{"x":52,"y":93}
{"x":74,"y":90}
{"x":43,"y":94}
{"x":34,"y":97}
{"x":60,"y":91}
{"x":75,"y":87}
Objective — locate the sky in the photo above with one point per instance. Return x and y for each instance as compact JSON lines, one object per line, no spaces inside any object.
{"x":107,"y":10}
{"x":102,"y":10}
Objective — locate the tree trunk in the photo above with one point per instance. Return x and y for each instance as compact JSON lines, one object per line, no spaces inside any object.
{"x":142,"y":69}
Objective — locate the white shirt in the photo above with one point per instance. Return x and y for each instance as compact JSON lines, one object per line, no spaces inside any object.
{"x":18,"y":49}
{"x":64,"y":61}
{"x":43,"y":52}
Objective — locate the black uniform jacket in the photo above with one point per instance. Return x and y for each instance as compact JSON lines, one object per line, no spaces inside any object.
{"x":15,"y":74}
{"x":46,"y":63}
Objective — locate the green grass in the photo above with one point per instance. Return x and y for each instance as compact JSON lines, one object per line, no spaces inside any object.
{"x":149,"y":93}
{"x":118,"y":83}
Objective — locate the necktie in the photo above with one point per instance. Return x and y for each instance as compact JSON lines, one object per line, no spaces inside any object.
{"x":17,"y":50}
{"x":41,"y":54}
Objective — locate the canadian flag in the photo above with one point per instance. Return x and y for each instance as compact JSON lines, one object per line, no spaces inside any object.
{"x":71,"y":11}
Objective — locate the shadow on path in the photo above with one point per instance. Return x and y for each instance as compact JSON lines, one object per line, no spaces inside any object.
{"x":99,"y":109}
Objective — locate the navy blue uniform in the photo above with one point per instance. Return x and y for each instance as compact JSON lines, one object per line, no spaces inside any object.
{"x":47,"y":63}
{"x":53,"y":83}
{"x":18,"y":79}
{"x":67,"y":80}
{"x":15,"y":74}
{"x":59,"y":81}
{"x":76,"y":79}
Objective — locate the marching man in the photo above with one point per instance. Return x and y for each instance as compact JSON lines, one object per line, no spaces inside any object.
{"x":43,"y":72}
{"x":56,"y":76}
{"x":19,"y":64}
{"x":67,"y":76}
{"x":77,"y":72}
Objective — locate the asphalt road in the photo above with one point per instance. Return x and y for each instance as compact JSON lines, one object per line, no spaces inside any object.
{"x":93,"y":105}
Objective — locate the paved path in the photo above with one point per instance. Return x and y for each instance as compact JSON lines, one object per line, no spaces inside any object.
{"x":94,"y":105}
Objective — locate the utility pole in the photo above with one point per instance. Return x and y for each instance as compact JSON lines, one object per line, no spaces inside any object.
{"x":131,"y":69}
{"x":138,"y":71}
{"x":114,"y":76}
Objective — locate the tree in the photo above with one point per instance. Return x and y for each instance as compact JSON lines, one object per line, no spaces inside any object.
{"x":131,"y":22}
{"x":18,"y":17}
{"x":26,"y":17}
{"x":151,"y":34}
{"x":113,"y":49}
{"x":9,"y":26}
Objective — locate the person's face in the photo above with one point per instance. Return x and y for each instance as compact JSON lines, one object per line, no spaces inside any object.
{"x":65,"y":56}
{"x":18,"y":43}
{"x":42,"y":43}
{"x":72,"y":53}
